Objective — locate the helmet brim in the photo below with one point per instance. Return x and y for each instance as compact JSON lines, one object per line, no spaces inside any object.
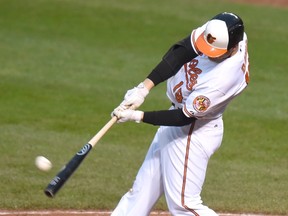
{"x":207,"y":49}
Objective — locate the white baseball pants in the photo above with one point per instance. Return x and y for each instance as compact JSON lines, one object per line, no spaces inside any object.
{"x":175,"y":165}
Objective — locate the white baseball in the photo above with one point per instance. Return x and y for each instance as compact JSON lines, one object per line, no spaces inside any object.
{"x":43,"y":163}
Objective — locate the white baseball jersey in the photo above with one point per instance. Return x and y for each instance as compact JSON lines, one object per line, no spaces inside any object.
{"x":203,"y":88}
{"x":176,"y":162}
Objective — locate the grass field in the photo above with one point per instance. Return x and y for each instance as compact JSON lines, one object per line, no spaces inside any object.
{"x":65,"y":65}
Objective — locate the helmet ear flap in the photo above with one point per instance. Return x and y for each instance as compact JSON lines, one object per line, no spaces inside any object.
{"x":236,"y":34}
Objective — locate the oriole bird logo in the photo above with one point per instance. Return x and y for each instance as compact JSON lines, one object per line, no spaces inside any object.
{"x":211,"y":39}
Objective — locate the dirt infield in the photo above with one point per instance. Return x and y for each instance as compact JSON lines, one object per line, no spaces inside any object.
{"x":94,"y":213}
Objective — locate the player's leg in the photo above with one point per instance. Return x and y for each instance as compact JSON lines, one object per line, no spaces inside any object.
{"x":184,"y":164}
{"x":147,"y":187}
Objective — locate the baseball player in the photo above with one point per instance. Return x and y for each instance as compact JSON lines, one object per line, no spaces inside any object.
{"x":204,"y":72}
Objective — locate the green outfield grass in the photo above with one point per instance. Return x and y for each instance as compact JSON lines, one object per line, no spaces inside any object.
{"x":66,"y":64}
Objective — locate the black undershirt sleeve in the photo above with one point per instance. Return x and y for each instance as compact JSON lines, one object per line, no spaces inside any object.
{"x":179,"y":54}
{"x":167,"y":118}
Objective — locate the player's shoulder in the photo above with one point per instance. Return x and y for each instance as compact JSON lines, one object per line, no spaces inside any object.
{"x":243,"y":45}
{"x":228,"y":73}
{"x":237,"y":60}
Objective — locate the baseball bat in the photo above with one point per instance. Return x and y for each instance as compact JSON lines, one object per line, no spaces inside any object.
{"x":58,"y":181}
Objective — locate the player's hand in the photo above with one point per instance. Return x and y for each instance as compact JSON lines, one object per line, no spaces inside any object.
{"x":135,"y":97}
{"x":128,"y":115}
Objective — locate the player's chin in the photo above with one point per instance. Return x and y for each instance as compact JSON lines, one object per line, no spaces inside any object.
{"x":218,"y":59}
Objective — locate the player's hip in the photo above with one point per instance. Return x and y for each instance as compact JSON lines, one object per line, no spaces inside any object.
{"x":205,"y":134}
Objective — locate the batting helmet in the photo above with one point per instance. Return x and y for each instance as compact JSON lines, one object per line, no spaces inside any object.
{"x":221,"y":33}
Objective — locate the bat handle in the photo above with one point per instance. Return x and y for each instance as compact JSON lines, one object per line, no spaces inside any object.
{"x":102,"y":131}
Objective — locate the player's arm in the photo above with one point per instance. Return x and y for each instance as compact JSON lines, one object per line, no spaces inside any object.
{"x":179,"y":54}
{"x":167,"y":118}
{"x":163,"y":117}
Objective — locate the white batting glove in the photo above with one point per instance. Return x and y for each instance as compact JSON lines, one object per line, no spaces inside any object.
{"x":118,"y":109}
{"x":128,"y":115}
{"x":135,"y":97}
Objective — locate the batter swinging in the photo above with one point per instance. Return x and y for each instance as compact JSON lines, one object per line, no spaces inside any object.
{"x":204,"y":72}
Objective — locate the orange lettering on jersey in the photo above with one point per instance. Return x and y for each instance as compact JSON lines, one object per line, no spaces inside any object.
{"x":177,"y":86}
{"x":192,"y":73}
{"x":247,"y":78}
{"x":178,"y":92}
{"x":245,"y":69}
{"x":179,"y":96}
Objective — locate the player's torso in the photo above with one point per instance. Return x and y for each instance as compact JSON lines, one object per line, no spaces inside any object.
{"x":193,"y":74}
{"x":202,"y":76}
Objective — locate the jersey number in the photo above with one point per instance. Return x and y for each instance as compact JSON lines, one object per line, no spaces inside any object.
{"x":191,"y":75}
{"x":246,"y":66}
{"x":178,"y":92}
